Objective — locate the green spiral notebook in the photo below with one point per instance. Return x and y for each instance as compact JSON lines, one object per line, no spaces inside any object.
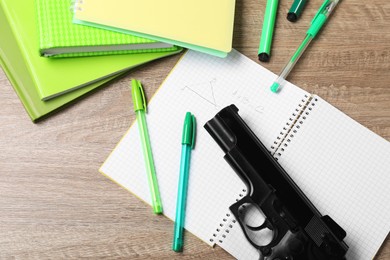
{"x":59,"y":37}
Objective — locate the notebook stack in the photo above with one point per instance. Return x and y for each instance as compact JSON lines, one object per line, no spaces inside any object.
{"x":58,"y":51}
{"x":51,"y":62}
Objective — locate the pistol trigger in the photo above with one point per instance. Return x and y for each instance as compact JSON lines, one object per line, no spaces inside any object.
{"x":265,"y":225}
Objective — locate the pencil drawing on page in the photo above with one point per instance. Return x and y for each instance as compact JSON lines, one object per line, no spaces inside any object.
{"x":204,"y":90}
{"x":240,"y":98}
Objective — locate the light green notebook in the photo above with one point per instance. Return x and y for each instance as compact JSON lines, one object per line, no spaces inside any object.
{"x":28,"y":72}
{"x":59,"y":37}
{"x":201,"y":25}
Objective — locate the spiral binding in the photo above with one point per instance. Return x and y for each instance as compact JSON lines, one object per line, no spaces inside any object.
{"x":227,"y":223}
{"x":296,"y":125}
{"x":289,"y":124}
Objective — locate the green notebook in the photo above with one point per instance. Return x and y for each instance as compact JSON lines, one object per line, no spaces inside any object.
{"x":59,"y":37}
{"x":54,"y":77}
{"x":28,"y":72}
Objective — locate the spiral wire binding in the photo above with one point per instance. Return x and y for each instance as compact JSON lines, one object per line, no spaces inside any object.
{"x":289,"y":124}
{"x":295,"y":126}
{"x":227,"y":223}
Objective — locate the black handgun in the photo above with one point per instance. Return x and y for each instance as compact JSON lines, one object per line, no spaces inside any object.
{"x":298,"y":229}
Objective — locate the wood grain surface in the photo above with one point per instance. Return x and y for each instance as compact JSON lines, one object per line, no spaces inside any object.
{"x":54,"y":204}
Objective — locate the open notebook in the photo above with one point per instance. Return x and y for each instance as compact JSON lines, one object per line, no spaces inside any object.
{"x":340,"y":165}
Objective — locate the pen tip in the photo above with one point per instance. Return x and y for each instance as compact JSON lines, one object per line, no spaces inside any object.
{"x":292,"y":17}
{"x":264,"y":57}
{"x":275,"y":87}
{"x":157,"y":209}
{"x":177,"y":245}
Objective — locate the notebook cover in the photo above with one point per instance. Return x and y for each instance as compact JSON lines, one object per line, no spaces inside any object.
{"x":54,"y":77}
{"x":217,"y":53}
{"x":204,"y":25}
{"x":15,"y":62}
{"x":59,"y":35}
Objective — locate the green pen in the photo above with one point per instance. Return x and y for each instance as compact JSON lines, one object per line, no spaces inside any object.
{"x":268,"y":30}
{"x":318,"y":21}
{"x":296,"y":10}
{"x":140,"y":109}
{"x":188,"y":142}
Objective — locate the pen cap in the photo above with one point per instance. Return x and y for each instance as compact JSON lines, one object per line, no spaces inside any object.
{"x":296,"y":10}
{"x":138,"y":95}
{"x":189,"y":130}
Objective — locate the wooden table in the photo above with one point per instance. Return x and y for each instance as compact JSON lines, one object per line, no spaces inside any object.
{"x":55,"y":204}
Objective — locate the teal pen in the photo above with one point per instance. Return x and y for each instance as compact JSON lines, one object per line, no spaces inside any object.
{"x":188,"y":142}
{"x":318,"y":21}
{"x":140,"y":109}
{"x":268,"y":30}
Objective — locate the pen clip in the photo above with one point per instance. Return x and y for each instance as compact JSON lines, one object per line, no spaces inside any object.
{"x":322,"y":8}
{"x":143,"y":97}
{"x":193,"y":131}
{"x":138,"y":95}
{"x":189,"y":130}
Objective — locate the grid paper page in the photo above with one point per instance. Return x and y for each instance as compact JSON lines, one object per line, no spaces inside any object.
{"x":344,"y":169}
{"x":203,"y":85}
